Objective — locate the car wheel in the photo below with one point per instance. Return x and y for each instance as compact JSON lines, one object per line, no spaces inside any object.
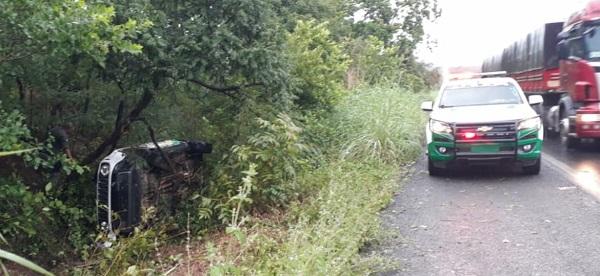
{"x":533,"y":169}
{"x":433,"y":170}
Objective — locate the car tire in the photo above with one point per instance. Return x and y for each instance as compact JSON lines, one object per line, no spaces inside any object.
{"x":433,"y":170}
{"x":533,"y":169}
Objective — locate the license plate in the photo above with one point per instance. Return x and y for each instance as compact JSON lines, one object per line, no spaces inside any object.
{"x":553,"y":83}
{"x":485,"y":148}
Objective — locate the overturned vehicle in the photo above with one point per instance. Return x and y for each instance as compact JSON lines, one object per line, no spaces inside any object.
{"x":135,"y":184}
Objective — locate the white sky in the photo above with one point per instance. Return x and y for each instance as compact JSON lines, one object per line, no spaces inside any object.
{"x":471,"y":30}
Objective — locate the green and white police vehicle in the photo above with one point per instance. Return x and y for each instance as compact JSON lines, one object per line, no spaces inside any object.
{"x":483,"y":121}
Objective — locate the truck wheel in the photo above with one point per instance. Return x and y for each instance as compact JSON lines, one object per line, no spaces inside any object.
{"x":551,"y":133}
{"x":554,"y":131}
{"x":433,"y":170}
{"x":533,"y":169}
{"x":568,"y":141}
{"x":572,"y":143}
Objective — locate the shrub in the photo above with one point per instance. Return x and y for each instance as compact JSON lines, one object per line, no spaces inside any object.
{"x":318,"y":65}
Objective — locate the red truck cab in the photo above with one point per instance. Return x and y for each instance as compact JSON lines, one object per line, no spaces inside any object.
{"x":561,"y":62}
{"x":579,"y":54}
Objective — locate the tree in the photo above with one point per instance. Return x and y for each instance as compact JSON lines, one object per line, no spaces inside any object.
{"x":318,"y":65}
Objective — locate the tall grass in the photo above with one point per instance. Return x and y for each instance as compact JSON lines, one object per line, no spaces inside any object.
{"x":330,"y":231}
{"x":381,"y":124}
{"x":377,"y":131}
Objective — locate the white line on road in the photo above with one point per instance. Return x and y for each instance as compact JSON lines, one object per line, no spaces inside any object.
{"x":587,"y":180}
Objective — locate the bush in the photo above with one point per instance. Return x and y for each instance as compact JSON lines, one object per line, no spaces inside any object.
{"x":36,"y":219}
{"x":31,"y":221}
{"x":276,"y":154}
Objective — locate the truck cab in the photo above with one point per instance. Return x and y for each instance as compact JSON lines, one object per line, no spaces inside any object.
{"x":483,"y":121}
{"x":578,"y":113}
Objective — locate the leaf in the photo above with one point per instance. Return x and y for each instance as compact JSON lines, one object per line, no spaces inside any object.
{"x":8,"y":153}
{"x":80,"y":170}
{"x":237,"y":233}
{"x":132,"y":270}
{"x":24,"y":262}
{"x":48,"y":187}
{"x":3,"y":268}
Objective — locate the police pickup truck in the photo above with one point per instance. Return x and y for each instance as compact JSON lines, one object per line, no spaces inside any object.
{"x":483,"y":121}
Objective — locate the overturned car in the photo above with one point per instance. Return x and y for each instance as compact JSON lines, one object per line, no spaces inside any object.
{"x":134,"y":184}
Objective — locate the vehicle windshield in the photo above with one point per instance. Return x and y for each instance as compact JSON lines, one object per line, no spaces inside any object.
{"x":592,"y":43}
{"x":483,"y":95}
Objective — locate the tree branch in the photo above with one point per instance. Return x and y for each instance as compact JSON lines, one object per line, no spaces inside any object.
{"x":21,"y":89}
{"x":119,"y":129}
{"x":160,"y":151}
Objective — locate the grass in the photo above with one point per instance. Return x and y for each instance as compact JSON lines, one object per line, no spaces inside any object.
{"x":379,"y":132}
{"x":381,"y":124}
{"x":330,"y":231}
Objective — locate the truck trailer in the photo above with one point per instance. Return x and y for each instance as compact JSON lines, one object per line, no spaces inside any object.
{"x":561,"y":62}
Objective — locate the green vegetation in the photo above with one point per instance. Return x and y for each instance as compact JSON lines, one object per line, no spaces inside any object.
{"x":311,"y":107}
{"x":21,"y":261}
{"x":10,"y":256}
{"x":322,"y":235}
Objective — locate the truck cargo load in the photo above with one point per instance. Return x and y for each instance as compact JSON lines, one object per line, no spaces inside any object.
{"x":532,"y":61}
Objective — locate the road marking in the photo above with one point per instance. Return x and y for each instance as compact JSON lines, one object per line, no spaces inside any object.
{"x":586,"y":180}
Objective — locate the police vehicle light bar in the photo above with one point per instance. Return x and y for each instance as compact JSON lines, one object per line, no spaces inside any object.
{"x":470,"y":75}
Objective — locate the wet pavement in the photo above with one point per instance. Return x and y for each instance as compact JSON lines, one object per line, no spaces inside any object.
{"x":584,"y":160}
{"x":496,"y":221}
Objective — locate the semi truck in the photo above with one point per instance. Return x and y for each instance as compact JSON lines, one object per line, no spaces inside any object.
{"x":561,"y":62}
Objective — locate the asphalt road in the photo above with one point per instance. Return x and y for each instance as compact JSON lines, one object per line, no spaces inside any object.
{"x":495,"y":221}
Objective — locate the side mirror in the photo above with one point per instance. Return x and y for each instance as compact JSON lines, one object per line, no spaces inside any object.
{"x":536,"y":99}
{"x":427,"y":106}
{"x":563,"y":50}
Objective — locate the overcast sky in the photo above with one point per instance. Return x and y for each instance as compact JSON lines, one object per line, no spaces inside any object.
{"x":471,"y":30}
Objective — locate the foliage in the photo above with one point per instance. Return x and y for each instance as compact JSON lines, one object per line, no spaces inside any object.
{"x":324,"y":234}
{"x":398,"y":22}
{"x":131,"y":256}
{"x":278,"y":153}
{"x":319,"y":65}
{"x":335,"y":225}
{"x":194,"y":70}
{"x":267,"y":166}
{"x":66,"y":27}
{"x":12,"y":130}
{"x":10,"y":256}
{"x":31,"y":216}
{"x":33,"y":220}
{"x":23,"y":262}
{"x":373,"y":63}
